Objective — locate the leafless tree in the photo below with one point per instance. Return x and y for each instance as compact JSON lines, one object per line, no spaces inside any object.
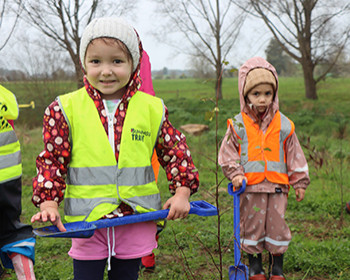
{"x":8,"y":9}
{"x":210,"y":28}
{"x":311,"y":31}
{"x":63,"y":21}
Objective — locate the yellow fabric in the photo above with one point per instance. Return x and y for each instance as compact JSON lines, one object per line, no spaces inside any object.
{"x":9,"y":111}
{"x":8,"y":104}
{"x":91,"y":147}
{"x":139,"y":135}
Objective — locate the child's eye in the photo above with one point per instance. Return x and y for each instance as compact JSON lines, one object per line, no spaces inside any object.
{"x":117,"y":61}
{"x":268,"y":93}
{"x":256,"y":93}
{"x":94,"y":61}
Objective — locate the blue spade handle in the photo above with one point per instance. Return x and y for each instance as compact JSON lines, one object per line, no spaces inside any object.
{"x":86,"y":229}
{"x":236,"y":220}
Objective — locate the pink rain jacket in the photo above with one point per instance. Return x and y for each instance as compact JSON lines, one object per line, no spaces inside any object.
{"x":229,"y":157}
{"x":146,"y":75}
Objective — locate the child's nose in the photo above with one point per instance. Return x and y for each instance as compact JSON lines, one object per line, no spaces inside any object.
{"x":106,"y":71}
{"x":262,"y":99}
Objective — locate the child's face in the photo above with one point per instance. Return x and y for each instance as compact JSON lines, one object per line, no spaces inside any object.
{"x":108,"y":67}
{"x":261,"y":97}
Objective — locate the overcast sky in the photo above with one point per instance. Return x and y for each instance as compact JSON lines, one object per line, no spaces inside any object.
{"x":254,"y":39}
{"x":252,"y":42}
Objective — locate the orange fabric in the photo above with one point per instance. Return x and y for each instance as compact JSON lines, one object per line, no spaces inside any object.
{"x":155,"y":164}
{"x":257,"y":148}
{"x":264,"y":147}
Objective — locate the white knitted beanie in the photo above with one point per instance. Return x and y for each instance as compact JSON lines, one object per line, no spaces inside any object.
{"x":110,"y":27}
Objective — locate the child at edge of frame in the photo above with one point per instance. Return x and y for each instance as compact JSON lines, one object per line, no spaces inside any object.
{"x":261,"y":147}
{"x":109,"y":129}
{"x":17,"y":241}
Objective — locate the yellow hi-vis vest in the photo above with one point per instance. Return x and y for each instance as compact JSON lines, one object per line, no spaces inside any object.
{"x":96,"y":183}
{"x":10,"y":151}
{"x":263,"y":154}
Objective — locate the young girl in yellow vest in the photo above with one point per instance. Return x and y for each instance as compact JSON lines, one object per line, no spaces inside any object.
{"x":16,"y":239}
{"x":99,"y":142}
{"x":261,"y":147}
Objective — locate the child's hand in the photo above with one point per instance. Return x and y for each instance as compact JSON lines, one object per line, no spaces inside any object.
{"x":237,"y":181}
{"x":179,"y":204}
{"x":300,"y":193}
{"x":49,"y":212}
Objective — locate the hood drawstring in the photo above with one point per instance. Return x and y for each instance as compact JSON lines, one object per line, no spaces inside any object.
{"x":111,"y":251}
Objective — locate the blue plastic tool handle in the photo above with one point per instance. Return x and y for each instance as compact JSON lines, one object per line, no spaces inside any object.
{"x":236,"y":220}
{"x":200,"y":208}
{"x":203,"y":208}
{"x":239,"y":271}
{"x":86,"y":229}
{"x":73,"y":230}
{"x":239,"y":191}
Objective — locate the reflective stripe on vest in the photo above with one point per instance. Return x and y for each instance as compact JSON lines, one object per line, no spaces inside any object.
{"x":96,"y":184}
{"x":10,"y":156}
{"x":262,"y":154}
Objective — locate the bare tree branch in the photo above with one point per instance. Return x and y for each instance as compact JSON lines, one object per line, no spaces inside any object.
{"x":209,"y":29}
{"x":62,"y":20}
{"x":6,"y":9}
{"x":310,"y":31}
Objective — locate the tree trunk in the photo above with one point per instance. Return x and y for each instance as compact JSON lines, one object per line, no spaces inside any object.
{"x":309,"y":81}
{"x":218,"y":85}
{"x":78,"y":74}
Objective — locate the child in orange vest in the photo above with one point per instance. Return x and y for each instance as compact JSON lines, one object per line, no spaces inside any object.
{"x":261,"y":147}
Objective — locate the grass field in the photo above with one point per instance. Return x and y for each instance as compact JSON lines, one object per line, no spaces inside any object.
{"x":188,"y":249}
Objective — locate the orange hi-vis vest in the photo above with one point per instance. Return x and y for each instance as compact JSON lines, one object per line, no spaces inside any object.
{"x":263,"y":154}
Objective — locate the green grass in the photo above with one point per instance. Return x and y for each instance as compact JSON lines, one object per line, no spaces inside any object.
{"x":320,"y":248}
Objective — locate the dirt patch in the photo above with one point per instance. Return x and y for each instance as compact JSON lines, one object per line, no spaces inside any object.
{"x":194,"y":129}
